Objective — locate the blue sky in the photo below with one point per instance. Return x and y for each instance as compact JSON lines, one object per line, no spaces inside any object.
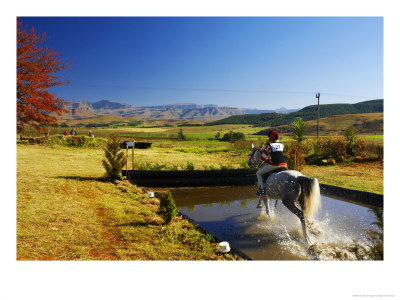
{"x":248,"y":62}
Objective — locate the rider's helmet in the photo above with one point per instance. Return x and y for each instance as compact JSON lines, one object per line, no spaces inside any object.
{"x":273,"y":135}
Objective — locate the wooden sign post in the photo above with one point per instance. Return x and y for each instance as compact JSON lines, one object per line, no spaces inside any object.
{"x":130,"y":145}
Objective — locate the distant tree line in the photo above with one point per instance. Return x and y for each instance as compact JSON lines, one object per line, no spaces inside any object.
{"x":230,"y":136}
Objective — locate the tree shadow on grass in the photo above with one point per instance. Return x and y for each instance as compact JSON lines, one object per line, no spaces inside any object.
{"x":82,"y":178}
{"x":138,"y":224}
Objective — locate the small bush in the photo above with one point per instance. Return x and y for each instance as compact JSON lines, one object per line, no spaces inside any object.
{"x":380,"y":151}
{"x":158,"y":167}
{"x":74,"y":141}
{"x":375,"y":150}
{"x":350,"y":138}
{"x":332,"y":146}
{"x":189,"y":166}
{"x":180,"y":135}
{"x":167,"y":208}
{"x":295,"y":154}
{"x":233,"y":136}
{"x":115,"y":158}
{"x":360,"y":147}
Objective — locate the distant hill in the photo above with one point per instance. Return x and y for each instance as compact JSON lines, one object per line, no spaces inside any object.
{"x":367,"y":123}
{"x":307,"y":113}
{"x":281,"y":110}
{"x":180,"y":111}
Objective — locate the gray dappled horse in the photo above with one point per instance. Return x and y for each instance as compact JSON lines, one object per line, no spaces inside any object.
{"x":299,"y":193}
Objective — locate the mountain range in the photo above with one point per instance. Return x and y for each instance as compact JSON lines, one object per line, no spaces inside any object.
{"x":182,"y":111}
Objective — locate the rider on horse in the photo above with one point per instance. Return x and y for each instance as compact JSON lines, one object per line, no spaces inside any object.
{"x":272,"y":158}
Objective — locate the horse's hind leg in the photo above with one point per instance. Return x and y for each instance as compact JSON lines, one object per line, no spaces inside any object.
{"x":290,"y":205}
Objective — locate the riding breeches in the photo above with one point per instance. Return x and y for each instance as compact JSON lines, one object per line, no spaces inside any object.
{"x":264,"y":169}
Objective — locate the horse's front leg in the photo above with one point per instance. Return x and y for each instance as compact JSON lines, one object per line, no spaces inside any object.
{"x":259,"y":203}
{"x":266,"y":202}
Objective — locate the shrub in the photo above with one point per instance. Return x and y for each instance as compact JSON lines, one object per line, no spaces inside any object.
{"x":74,"y":141}
{"x":158,"y":167}
{"x":295,"y":154}
{"x":332,"y":146}
{"x":375,"y":149}
{"x":115,"y":157}
{"x":233,"y":136}
{"x":167,"y":208}
{"x":380,"y":151}
{"x":180,"y":135}
{"x":298,"y":128}
{"x":351,"y":138}
{"x":337,"y":146}
{"x":360,"y":147}
{"x":189,"y":166}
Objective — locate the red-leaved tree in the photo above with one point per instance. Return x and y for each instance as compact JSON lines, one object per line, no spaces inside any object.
{"x":36,"y":73}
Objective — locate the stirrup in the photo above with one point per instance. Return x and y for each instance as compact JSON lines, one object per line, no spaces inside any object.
{"x":260,"y":192}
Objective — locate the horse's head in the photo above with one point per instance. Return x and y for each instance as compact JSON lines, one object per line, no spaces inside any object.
{"x":254,"y":156}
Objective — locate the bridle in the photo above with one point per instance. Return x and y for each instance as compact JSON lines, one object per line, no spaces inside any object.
{"x":251,"y":162}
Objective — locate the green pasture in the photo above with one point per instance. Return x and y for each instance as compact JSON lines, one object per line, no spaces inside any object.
{"x":374,"y":137}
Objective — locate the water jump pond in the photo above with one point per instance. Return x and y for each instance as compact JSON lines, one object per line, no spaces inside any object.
{"x":231,"y":214}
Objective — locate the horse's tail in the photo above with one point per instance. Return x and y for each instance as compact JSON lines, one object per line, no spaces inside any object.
{"x":310,"y":195}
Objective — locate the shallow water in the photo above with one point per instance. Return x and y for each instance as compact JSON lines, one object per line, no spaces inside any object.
{"x":231,"y":214}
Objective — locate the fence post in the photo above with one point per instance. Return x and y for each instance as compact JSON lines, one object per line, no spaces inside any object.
{"x":127,"y":161}
{"x":133,"y":156}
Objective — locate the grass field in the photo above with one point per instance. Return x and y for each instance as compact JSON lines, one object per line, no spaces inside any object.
{"x":367,"y":177}
{"x":65,"y":211}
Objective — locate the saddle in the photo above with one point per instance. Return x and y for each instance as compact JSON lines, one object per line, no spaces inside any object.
{"x":265,"y":176}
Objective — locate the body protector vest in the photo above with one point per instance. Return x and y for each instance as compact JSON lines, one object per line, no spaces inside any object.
{"x":275,"y":151}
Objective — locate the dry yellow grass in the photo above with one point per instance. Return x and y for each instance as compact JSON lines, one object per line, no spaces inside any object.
{"x":66,"y":212}
{"x":367,"y":177}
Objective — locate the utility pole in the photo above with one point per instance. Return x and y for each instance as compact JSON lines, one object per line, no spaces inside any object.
{"x":317,"y":96}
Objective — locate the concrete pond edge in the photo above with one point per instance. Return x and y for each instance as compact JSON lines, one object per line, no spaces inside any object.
{"x":236,"y":177}
{"x":358,"y":197}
